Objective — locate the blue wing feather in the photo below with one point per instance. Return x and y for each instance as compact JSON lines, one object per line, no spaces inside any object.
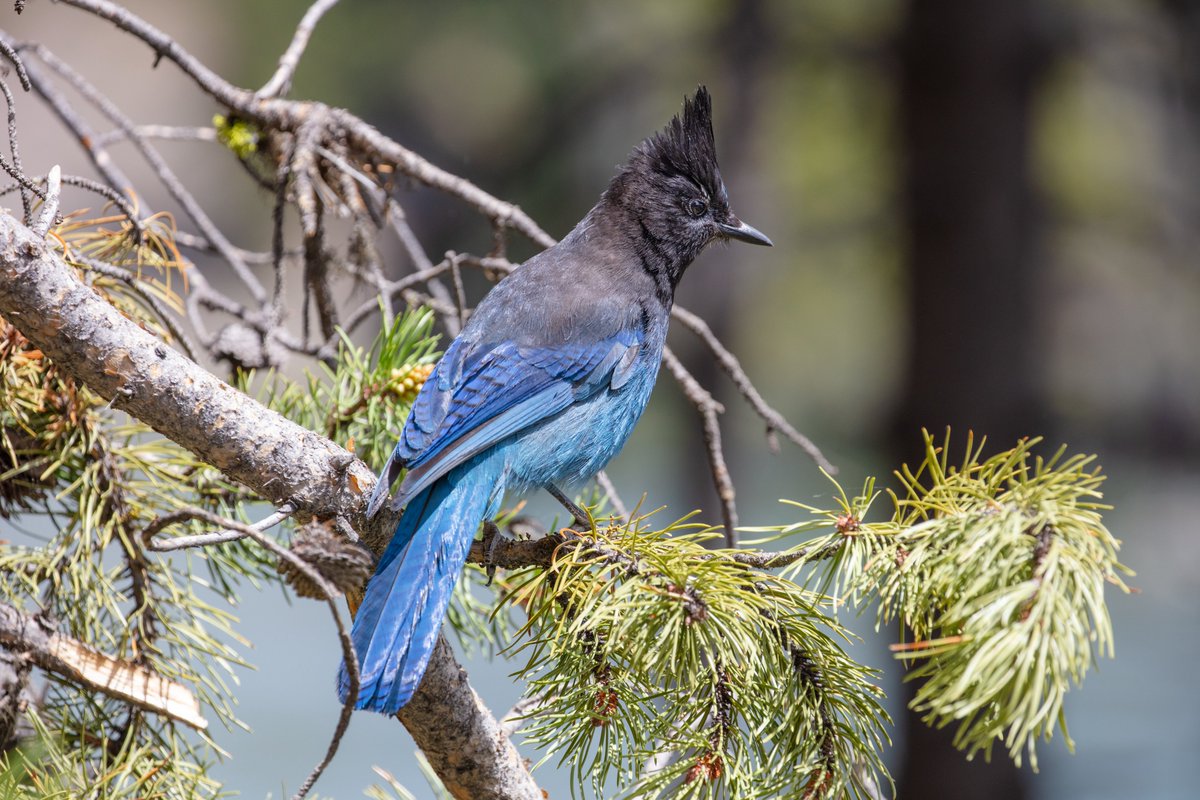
{"x":525,"y":413}
{"x":478,"y":396}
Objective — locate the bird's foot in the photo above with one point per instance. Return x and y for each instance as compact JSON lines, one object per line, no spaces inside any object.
{"x":491,"y":538}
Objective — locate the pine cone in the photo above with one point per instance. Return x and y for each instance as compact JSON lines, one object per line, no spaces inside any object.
{"x":345,"y":564}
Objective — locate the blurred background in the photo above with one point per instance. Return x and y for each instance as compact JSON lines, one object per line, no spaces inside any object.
{"x":985,"y":215}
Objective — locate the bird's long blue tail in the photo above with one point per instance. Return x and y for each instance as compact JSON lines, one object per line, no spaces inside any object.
{"x":397,"y":625}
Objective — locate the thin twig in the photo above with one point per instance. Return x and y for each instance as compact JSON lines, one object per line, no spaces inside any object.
{"x":49,"y":212}
{"x":165,"y":46}
{"x":709,"y":410}
{"x":11,"y":54}
{"x":610,"y":491}
{"x":516,"y":717}
{"x":393,"y":290}
{"x":202,"y":245}
{"x":78,"y":126}
{"x":460,"y":293}
{"x":13,"y":145}
{"x":277,"y":244}
{"x":353,"y":679}
{"x":173,"y":133}
{"x":104,"y":190}
{"x":20,"y":178}
{"x":135,"y":283}
{"x":281,"y":81}
{"x":316,"y":279}
{"x":408,"y":240}
{"x":728,"y":362}
{"x":310,"y":572}
{"x":225,"y":534}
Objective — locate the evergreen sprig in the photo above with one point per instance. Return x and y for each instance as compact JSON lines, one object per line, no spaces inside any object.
{"x":669,"y":667}
{"x":997,"y":566}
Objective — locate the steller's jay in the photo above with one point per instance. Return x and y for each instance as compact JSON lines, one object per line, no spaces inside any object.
{"x":540,"y":390}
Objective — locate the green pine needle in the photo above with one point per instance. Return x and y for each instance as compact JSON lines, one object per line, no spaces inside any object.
{"x":997,"y":567}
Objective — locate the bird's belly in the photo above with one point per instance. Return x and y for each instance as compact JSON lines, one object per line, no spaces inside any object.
{"x":576,"y":444}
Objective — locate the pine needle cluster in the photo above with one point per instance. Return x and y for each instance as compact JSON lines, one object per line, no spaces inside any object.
{"x":669,"y":667}
{"x":995,"y":568}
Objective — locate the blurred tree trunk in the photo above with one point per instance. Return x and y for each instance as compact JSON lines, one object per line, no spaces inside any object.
{"x":968,"y":72}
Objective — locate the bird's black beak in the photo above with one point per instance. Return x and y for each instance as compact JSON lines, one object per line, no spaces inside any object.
{"x":736,"y":229}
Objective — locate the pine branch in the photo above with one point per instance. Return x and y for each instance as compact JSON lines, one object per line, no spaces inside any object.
{"x":998,"y":566}
{"x":90,"y":340}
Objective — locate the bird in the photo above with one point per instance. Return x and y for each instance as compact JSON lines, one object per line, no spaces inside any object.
{"x":540,"y":389}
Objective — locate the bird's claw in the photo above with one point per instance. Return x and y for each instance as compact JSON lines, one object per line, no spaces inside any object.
{"x":491,"y":537}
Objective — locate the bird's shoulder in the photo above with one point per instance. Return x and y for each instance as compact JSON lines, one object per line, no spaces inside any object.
{"x":568,"y":294}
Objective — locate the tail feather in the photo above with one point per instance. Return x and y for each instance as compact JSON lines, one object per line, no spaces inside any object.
{"x":397,"y":625}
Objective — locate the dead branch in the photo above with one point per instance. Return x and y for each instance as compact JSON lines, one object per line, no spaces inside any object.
{"x":123,"y":680}
{"x":281,"y":81}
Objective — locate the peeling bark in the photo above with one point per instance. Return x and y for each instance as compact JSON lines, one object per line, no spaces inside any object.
{"x":33,"y":641}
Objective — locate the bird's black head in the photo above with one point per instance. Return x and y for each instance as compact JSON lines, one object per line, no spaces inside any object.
{"x":671,"y":189}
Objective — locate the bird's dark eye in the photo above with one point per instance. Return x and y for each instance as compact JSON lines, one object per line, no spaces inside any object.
{"x":695,"y":207}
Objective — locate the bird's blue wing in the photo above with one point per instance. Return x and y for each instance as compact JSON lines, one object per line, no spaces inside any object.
{"x":474,"y":400}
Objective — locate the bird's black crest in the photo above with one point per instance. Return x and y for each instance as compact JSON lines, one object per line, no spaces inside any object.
{"x":686,"y":146}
